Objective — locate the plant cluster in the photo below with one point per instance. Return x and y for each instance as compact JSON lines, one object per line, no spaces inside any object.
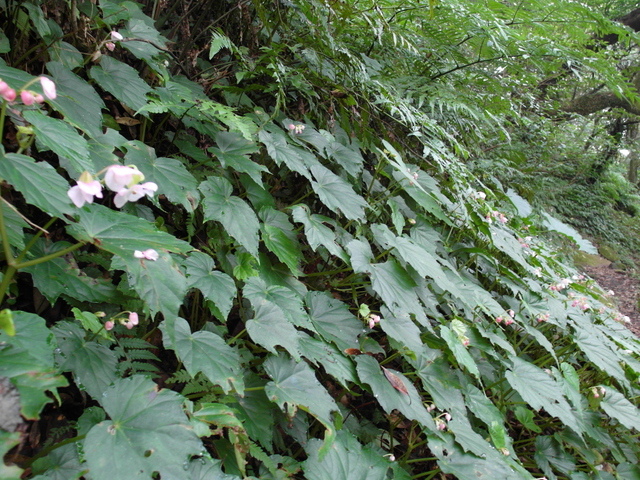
{"x":291,"y":272}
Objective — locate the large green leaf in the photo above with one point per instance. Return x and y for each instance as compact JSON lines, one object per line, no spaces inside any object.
{"x":61,"y":138}
{"x":147,"y":432}
{"x":235,"y":215}
{"x":14,"y":224}
{"x":388,"y":396}
{"x":295,"y":158}
{"x":122,"y":81}
{"x":278,"y":236}
{"x":172,"y":177}
{"x":269,"y":328}
{"x":40,"y":184}
{"x":337,"y":194}
{"x":293,"y":385}
{"x":59,"y":276}
{"x":459,"y":350}
{"x":617,"y":406}
{"x":597,"y":348}
{"x":540,"y":390}
{"x":260,"y":292}
{"x":122,"y":234}
{"x":346,"y":460}
{"x":61,"y":464}
{"x":327,"y":355}
{"x":233,"y":151}
{"x":215,"y":286}
{"x":205,"y":352}
{"x":256,"y":411}
{"x":161,"y":283}
{"x":333,"y":320}
{"x":317,"y":232}
{"x":93,"y":364}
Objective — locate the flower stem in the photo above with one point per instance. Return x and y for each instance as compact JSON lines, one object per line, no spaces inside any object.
{"x":51,"y":256}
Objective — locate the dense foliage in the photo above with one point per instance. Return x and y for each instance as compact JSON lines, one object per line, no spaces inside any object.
{"x":271,"y":240}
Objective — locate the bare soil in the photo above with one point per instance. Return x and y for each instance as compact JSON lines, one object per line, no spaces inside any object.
{"x":624,"y":285}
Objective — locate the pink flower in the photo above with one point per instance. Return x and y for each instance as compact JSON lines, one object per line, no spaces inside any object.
{"x":85,"y":190}
{"x":118,"y":177}
{"x":133,"y":318}
{"x":135,"y":193}
{"x":27,"y":97}
{"x":110,"y":46}
{"x":39,"y":98}
{"x":508,"y":321}
{"x":108,"y":325}
{"x":373,"y":320}
{"x":48,"y":87}
{"x":499,"y":319}
{"x":149,"y":254}
{"x":511,"y":313}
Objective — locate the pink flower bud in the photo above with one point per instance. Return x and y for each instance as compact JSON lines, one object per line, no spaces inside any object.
{"x":108,"y":325}
{"x":9,"y":95}
{"x":39,"y":98}
{"x":133,"y":318}
{"x":110,"y":46}
{"x":27,"y":97}
{"x":4,"y":86}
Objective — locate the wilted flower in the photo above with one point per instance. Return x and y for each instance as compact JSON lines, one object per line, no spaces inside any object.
{"x":149,"y":254}
{"x":85,"y":190}
{"x":49,"y":88}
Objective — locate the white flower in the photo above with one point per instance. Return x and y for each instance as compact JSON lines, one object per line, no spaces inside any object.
{"x":149,"y":254}
{"x":48,"y":87}
{"x":118,"y":177}
{"x":135,"y":193}
{"x":85,"y":190}
{"x":116,"y":37}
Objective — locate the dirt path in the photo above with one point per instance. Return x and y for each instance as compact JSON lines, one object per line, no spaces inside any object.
{"x":625,"y":287}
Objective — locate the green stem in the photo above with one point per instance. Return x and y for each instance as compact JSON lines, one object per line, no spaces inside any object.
{"x":3,"y":113}
{"x":8,"y":255}
{"x":34,"y":239}
{"x":51,"y":256}
{"x":6,"y":281}
{"x":45,"y":451}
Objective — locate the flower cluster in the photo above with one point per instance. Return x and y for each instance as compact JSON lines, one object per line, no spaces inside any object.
{"x":124,"y":180}
{"x":525,"y":242}
{"x":507,"y":321}
{"x":130,"y":322}
{"x":29,"y":97}
{"x":598,"y":392}
{"x":373,"y":320}
{"x":497,"y":215}
{"x":114,"y":37}
{"x":561,"y":285}
{"x":620,"y":318}
{"x":542,"y":317}
{"x":581,"y":303}
{"x":297,"y":129}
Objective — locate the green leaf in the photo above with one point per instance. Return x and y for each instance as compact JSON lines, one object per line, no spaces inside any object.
{"x":122,"y":81}
{"x":215,"y":286}
{"x":402,"y":329}
{"x":159,"y":283}
{"x":36,"y":389}
{"x":14,"y":224}
{"x":617,"y":406}
{"x":220,"y":205}
{"x":8,"y":440}
{"x":295,"y":158}
{"x":349,"y":158}
{"x":294,"y":386}
{"x":333,"y":320}
{"x":40,"y":184}
{"x":233,"y":151}
{"x":205,"y":352}
{"x":525,"y":417}
{"x":60,"y":276}
{"x":6,"y":322}
{"x":172,"y":177}
{"x":279,"y":237}
{"x":29,"y":349}
{"x":77,"y":101}
{"x":256,"y":411}
{"x":596,"y":348}
{"x":269,"y":328}
{"x":389,"y":398}
{"x":62,"y":463}
{"x":346,"y":460}
{"x":260,"y":293}
{"x":327,"y":355}
{"x":147,"y":432}
{"x":540,"y":390}
{"x":317,"y":232}
{"x":122,"y":234}
{"x":459,"y":351}
{"x":93,"y":364}
{"x":337,"y":193}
